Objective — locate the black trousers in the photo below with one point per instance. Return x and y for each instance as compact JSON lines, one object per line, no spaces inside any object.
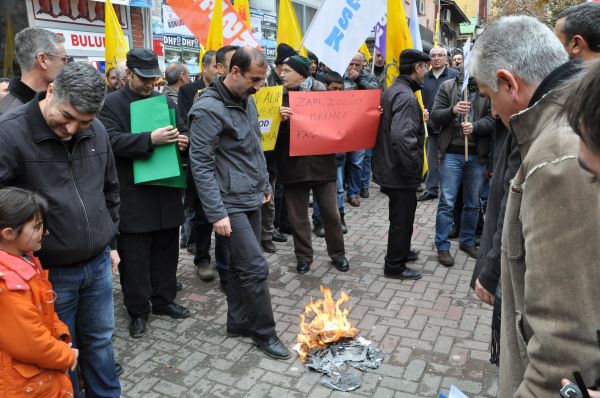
{"x":297,"y":198}
{"x":148,"y":269}
{"x":281,"y":217}
{"x":201,"y":229}
{"x":245,"y":278}
{"x":403,"y":204}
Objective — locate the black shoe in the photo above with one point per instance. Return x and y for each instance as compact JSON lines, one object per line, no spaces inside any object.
{"x":173,"y":310}
{"x":278,"y":236}
{"x":470,"y":250}
{"x":179,"y":286}
{"x":303,"y":267}
{"x":319,"y":230}
{"x":137,"y":327}
{"x":364,"y":193}
{"x":118,"y":369}
{"x":344,"y":226}
{"x":233,"y":333}
{"x":191,"y":250}
{"x":273,"y":347}
{"x":341,"y":264}
{"x":454,"y":232}
{"x":268,"y":246}
{"x":414,"y":255}
{"x":426,"y":196}
{"x":401,"y":273}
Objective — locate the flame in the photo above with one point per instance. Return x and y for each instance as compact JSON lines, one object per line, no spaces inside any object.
{"x":328,"y":325}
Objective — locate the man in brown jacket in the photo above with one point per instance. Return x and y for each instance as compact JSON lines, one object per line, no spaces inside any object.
{"x":550,"y":269}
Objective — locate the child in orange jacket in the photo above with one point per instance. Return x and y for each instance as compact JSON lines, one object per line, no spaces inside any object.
{"x":35,"y":348}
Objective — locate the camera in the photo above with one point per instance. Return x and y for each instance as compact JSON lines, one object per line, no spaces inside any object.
{"x":570,"y":391}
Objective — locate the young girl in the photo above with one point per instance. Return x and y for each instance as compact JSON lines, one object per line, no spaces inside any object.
{"x":35,"y":349}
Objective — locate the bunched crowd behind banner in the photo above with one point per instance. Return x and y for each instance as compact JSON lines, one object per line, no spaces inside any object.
{"x":117,"y":173}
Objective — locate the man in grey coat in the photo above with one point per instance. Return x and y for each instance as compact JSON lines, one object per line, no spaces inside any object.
{"x":230,"y":171}
{"x":550,"y":272}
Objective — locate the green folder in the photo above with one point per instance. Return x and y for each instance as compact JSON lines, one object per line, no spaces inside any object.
{"x":163,"y":167}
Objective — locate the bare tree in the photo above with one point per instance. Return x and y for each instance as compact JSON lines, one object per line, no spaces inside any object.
{"x":546,"y":11}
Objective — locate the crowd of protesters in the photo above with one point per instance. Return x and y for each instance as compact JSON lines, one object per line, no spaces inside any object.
{"x":513,"y":160}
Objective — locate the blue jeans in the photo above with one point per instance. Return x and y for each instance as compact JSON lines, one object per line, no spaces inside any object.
{"x":454,"y":169}
{"x":365,"y":176}
{"x":84,"y":302}
{"x":316,"y":214}
{"x":356,"y":160}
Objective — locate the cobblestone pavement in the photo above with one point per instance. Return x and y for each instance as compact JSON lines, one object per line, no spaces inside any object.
{"x":434,"y":331}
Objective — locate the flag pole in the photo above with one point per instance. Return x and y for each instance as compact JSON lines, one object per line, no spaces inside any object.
{"x":373,"y":58}
{"x":466,"y":119}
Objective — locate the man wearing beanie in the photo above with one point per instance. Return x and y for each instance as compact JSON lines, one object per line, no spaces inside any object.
{"x":398,"y":160}
{"x":269,"y":233}
{"x":283,"y":51}
{"x":150,"y":214}
{"x":300,"y":174}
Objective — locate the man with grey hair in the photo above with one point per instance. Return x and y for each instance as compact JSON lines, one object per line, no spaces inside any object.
{"x":547,"y":331}
{"x":359,"y":162}
{"x":55,"y":145}
{"x":434,"y":78}
{"x":176,"y":75}
{"x":41,"y":55}
{"x":121,"y":72}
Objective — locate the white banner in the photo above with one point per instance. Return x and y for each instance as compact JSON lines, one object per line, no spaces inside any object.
{"x":91,"y":42}
{"x":340,"y":28}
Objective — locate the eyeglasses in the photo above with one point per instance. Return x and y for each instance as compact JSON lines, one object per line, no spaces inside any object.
{"x":63,"y":58}
{"x":146,"y":79}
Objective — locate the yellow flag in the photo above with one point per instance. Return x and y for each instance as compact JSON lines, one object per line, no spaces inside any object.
{"x":9,"y":46}
{"x":364,"y":50}
{"x":288,"y":29}
{"x":116,"y":46}
{"x":215,"y":31}
{"x":243,"y":11}
{"x":437,"y":31}
{"x":398,"y":39}
{"x":200,"y":56}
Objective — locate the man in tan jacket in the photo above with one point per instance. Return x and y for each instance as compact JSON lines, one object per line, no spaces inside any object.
{"x":550,"y":262}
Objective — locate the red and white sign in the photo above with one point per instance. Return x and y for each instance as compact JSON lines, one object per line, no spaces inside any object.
{"x":82,"y":41}
{"x":77,"y":12}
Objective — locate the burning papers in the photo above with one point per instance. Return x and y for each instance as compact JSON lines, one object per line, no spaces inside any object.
{"x":327,"y":344}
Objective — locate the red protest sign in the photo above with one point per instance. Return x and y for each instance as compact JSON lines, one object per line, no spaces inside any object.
{"x":196,"y":16}
{"x":326,"y":122}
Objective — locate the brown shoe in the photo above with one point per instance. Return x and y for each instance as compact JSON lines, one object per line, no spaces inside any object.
{"x":354,"y":201}
{"x":445,"y":258}
{"x":470,"y":250}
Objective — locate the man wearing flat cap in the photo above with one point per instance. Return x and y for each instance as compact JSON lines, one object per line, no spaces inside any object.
{"x":398,"y":160}
{"x":150,"y":214}
{"x":300,"y":174}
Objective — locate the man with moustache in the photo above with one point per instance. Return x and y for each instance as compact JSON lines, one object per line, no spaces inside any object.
{"x":230,"y":172}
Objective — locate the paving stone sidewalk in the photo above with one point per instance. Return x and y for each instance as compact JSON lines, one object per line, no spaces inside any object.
{"x":434,"y":331}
